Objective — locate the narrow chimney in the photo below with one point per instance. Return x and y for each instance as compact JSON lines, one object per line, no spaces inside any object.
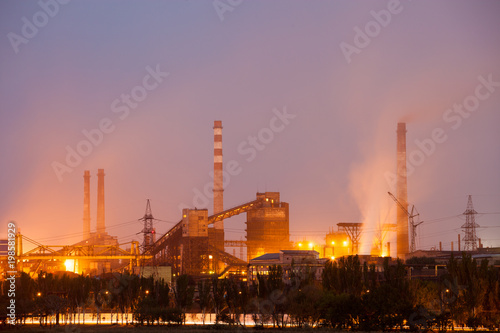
{"x":458,"y":242}
{"x":101,"y":229}
{"x":218,"y":184}
{"x":86,"y":204}
{"x":440,"y":247}
{"x":402,"y":193}
{"x":451,"y":246}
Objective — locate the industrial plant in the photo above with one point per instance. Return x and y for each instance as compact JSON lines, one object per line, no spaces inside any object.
{"x":196,"y":245}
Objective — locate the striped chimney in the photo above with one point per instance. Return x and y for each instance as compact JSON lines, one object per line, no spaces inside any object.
{"x":86,"y":204}
{"x":218,"y":188}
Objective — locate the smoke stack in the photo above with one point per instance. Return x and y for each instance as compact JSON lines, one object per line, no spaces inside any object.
{"x":86,"y":204}
{"x":101,"y":229}
{"x":218,"y":184}
{"x":402,"y":193}
{"x":458,"y":242}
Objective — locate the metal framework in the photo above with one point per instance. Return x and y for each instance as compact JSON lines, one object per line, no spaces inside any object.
{"x":190,"y":254}
{"x":147,"y":230}
{"x":353,"y":230}
{"x":235,"y":211}
{"x":470,"y":226}
{"x":95,"y":253}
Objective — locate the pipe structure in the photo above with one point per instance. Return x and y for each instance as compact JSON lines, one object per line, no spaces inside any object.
{"x":218,"y":184}
{"x":101,"y":228}
{"x":86,"y":204}
{"x":402,"y":193}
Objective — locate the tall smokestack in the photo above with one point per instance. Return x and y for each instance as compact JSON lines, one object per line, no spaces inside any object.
{"x":218,"y":183}
{"x":101,"y":229}
{"x":86,"y":204}
{"x":402,"y":193}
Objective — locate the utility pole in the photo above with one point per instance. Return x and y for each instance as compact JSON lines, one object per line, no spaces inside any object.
{"x":470,"y":226}
{"x":147,"y":231}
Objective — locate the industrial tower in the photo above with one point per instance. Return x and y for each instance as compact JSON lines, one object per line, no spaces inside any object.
{"x":101,"y":227}
{"x":402,"y":193}
{"x":218,"y":185}
{"x":147,"y":231}
{"x":470,"y":226}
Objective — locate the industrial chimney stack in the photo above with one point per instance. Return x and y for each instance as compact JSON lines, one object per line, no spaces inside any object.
{"x":402,"y":193}
{"x":218,"y":184}
{"x":101,"y":229}
{"x":86,"y":204}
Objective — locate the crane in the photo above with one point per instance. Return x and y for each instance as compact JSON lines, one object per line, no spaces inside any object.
{"x":412,"y":222}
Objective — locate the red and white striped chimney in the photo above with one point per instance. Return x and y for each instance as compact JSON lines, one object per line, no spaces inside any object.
{"x":218,"y":184}
{"x":218,"y":187}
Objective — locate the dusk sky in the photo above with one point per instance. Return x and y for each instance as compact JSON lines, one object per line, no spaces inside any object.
{"x":309,"y":94}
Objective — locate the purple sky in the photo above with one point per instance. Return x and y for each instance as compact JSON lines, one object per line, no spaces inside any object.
{"x":238,"y":64}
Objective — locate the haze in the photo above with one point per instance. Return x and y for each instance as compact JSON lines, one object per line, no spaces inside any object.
{"x":330,"y":159}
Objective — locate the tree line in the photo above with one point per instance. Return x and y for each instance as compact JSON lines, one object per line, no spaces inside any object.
{"x":350,"y":295}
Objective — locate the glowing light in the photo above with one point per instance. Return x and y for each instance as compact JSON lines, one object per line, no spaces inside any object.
{"x":39,"y":294}
{"x":332,"y":258}
{"x":147,"y":292}
{"x":210,"y":257}
{"x":345,"y":243}
{"x":333,"y":243}
{"x":300,"y":244}
{"x":311,"y":245}
{"x":70,"y":265}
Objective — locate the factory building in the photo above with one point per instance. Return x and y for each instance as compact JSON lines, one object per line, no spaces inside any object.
{"x":295,"y":264}
{"x":267,"y":227}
